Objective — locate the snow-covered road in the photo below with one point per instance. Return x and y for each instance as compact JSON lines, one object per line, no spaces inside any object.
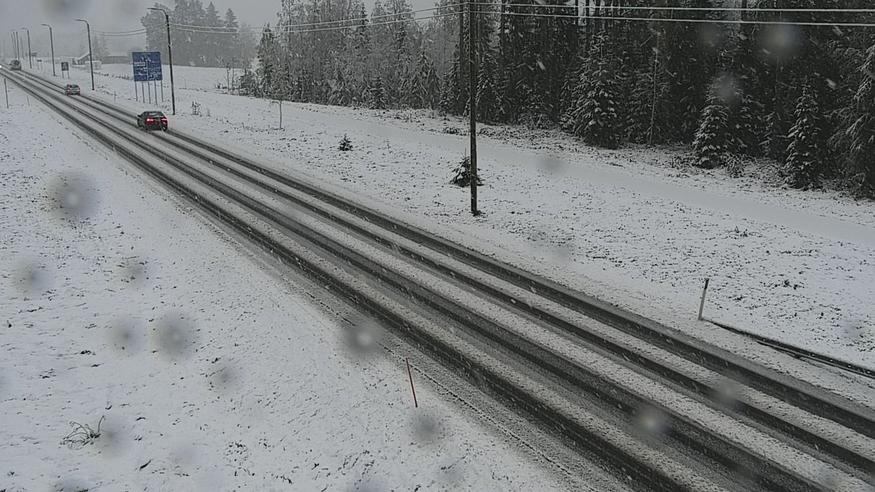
{"x":211,"y":372}
{"x":628,"y":226}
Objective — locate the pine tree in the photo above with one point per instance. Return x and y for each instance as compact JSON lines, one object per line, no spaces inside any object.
{"x":805,"y":154}
{"x":454,"y":97}
{"x":713,"y":139}
{"x":234,"y":46}
{"x":748,"y":118}
{"x":571,"y":93}
{"x":777,"y":130}
{"x":377,"y":94}
{"x":213,"y":48}
{"x":426,"y":87}
{"x":488,"y":105}
{"x":596,"y":119}
{"x":690,"y":64}
{"x":862,"y":130}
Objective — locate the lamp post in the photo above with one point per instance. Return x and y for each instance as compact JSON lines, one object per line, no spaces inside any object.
{"x":169,"y":56}
{"x":16,"y":45}
{"x":90,"y":56}
{"x":29,"y":52}
{"x":52,"y":43}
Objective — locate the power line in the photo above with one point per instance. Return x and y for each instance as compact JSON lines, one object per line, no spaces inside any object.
{"x":696,"y":21}
{"x":691,"y":9}
{"x":285,"y":28}
{"x":121,"y":35}
{"x":138,"y":29}
{"x":397,"y":18}
{"x":337,"y":28}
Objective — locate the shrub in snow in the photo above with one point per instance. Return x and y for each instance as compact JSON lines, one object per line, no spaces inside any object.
{"x":81,"y":435}
{"x":734,"y":166}
{"x":805,"y":154}
{"x":345,"y":144}
{"x":462,"y":174}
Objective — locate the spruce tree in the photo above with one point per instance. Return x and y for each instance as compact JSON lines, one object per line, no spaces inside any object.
{"x":713,"y":139}
{"x":454,"y":97}
{"x":428,"y":85}
{"x":862,"y":130}
{"x":377,"y":92}
{"x":267,"y":56}
{"x":805,"y":154}
{"x":597,"y":121}
{"x":212,"y":49}
{"x":749,"y":116}
{"x":488,"y":106}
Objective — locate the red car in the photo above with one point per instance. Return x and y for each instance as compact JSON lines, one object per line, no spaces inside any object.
{"x":152,"y":120}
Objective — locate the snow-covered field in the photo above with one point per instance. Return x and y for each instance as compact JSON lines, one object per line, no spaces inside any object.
{"x":187,"y":78}
{"x":631,"y":226}
{"x":125,"y":310}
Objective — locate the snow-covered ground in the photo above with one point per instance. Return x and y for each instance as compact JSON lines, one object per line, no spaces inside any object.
{"x":187,"y":78}
{"x":212,"y":374}
{"x":631,"y":226}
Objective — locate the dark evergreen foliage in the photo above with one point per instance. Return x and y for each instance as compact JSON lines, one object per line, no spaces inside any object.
{"x":595,"y":117}
{"x":861,"y":131}
{"x":714,"y":138}
{"x":220,"y":43}
{"x":462,"y":174}
{"x":797,"y":94}
{"x":806,"y":152}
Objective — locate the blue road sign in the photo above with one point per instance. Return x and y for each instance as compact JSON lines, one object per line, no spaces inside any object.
{"x":147,"y":66}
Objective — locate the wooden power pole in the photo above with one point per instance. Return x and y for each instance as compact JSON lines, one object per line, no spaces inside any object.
{"x":472,"y":98}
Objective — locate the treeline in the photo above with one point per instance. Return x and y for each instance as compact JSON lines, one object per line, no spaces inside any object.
{"x":217,"y":41}
{"x":753,"y":87}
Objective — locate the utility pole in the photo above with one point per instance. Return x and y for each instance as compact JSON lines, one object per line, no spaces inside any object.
{"x":29,"y":52}
{"x":169,"y":55}
{"x":52,"y":43}
{"x":472,"y":98}
{"x":461,"y":75}
{"x":90,"y":55}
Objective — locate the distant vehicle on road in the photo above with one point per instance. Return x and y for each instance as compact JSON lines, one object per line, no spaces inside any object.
{"x":15,"y":65}
{"x":72,"y":90}
{"x":152,"y":120}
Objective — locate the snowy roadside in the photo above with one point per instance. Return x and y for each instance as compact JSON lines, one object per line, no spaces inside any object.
{"x":211,"y":374}
{"x":623,"y":225}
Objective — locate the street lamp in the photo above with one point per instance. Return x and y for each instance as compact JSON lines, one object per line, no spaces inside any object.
{"x":52,"y":43}
{"x":169,"y":55}
{"x":90,"y":56}
{"x":29,"y":52}
{"x":17,"y":45}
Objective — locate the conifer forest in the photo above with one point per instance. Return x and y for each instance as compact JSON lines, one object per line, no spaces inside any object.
{"x":731,"y":80}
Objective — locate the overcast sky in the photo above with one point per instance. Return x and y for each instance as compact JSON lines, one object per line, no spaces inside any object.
{"x":106,"y":15}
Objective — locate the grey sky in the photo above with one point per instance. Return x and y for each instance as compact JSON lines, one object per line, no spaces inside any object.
{"x":106,"y":15}
{"x":111,"y":15}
